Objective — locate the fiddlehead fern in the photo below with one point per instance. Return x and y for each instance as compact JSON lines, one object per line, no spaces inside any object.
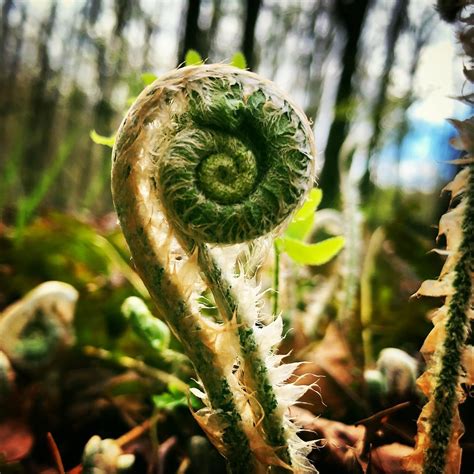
{"x":216,"y":155}
{"x":36,"y":329}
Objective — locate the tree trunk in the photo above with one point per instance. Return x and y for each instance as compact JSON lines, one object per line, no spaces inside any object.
{"x":192,"y":33}
{"x":350,"y":15}
{"x":42,"y":108}
{"x":248,"y":41}
{"x":399,"y":18}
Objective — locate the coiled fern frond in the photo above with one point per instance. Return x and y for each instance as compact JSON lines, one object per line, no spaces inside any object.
{"x":36,"y":329}
{"x":210,"y":162}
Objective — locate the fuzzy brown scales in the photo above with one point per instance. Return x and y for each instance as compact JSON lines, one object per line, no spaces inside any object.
{"x":445,"y":350}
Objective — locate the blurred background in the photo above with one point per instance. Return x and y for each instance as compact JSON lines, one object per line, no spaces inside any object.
{"x":381,"y":73}
{"x":377,"y":78}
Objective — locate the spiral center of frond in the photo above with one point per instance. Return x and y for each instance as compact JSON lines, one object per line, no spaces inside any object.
{"x":227,"y":179}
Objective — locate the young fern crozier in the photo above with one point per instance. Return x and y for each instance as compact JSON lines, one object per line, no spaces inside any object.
{"x":37,"y":329}
{"x":209,"y":164}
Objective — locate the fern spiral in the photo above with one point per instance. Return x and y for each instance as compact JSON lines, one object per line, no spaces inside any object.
{"x":208,"y":159}
{"x":35,"y":330}
{"x":232,"y":157}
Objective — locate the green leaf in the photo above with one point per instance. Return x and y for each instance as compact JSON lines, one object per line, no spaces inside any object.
{"x":311,"y":203}
{"x":302,"y":222}
{"x":312,"y":254}
{"x":101,"y":140}
{"x":148,"y":78}
{"x":150,"y":329}
{"x":169,"y":401}
{"x":175,"y":390}
{"x":192,"y":58}
{"x":238,"y":60}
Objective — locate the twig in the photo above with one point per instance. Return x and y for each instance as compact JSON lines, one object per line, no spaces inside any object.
{"x":137,"y":431}
{"x":375,"y":418}
{"x":55,"y":452}
{"x":373,"y":424}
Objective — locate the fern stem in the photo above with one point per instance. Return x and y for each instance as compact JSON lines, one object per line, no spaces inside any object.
{"x":185,"y":324}
{"x":348,"y":313}
{"x":254,"y":365}
{"x":368,"y":270}
{"x":447,"y":378}
{"x":276,"y":279}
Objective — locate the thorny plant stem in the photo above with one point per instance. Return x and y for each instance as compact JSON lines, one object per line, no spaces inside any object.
{"x":173,"y":307}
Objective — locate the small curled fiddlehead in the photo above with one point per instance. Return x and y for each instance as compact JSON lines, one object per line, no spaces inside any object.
{"x":36,"y":329}
{"x":215,"y":155}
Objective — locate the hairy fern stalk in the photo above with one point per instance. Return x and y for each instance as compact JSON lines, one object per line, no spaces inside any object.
{"x":445,"y":349}
{"x":209,"y":164}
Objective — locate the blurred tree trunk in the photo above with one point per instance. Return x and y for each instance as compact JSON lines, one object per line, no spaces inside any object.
{"x":399,"y":18}
{"x":192,"y":33}
{"x":273,"y":44}
{"x":313,"y":61}
{"x":422,"y":35}
{"x":216,"y":17}
{"x":42,"y":108}
{"x":78,"y":100}
{"x":149,"y":31}
{"x":350,"y":15}
{"x":4,"y":33}
{"x":15,"y":63}
{"x":123,"y":13}
{"x":312,"y":80}
{"x":104,"y":111}
{"x":193,"y":36}
{"x":9,"y":66}
{"x":248,"y":41}
{"x":93,"y":9}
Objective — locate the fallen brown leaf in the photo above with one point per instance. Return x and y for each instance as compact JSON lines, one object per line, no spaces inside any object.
{"x":16,"y":440}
